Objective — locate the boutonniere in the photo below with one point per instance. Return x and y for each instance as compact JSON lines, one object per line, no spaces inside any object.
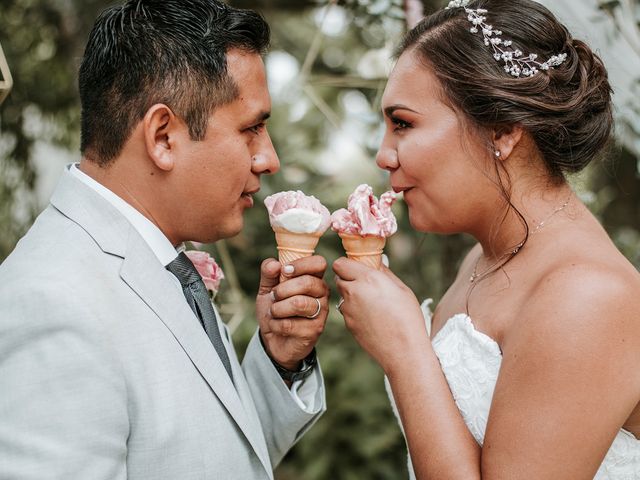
{"x":208,"y":269}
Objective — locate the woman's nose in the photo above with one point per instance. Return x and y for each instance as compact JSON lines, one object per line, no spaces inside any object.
{"x":387,"y":158}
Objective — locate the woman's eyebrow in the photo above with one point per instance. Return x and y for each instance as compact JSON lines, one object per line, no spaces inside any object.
{"x":388,"y":111}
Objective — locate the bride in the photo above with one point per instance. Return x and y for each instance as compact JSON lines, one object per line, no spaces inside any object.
{"x":531,"y":367}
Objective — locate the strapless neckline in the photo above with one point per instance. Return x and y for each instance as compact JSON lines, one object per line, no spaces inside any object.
{"x":485,"y":341}
{"x":479,"y":335}
{"x":471,"y":360}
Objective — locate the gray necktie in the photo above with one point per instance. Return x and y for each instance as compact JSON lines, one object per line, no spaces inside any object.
{"x":198,"y":298}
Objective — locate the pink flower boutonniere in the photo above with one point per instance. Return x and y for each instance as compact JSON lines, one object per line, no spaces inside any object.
{"x":208,"y":269}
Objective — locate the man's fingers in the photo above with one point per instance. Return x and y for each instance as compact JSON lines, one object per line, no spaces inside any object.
{"x":300,"y":328}
{"x":304,"y":285}
{"x":269,"y":275}
{"x":299,"y":306}
{"x":314,"y":265}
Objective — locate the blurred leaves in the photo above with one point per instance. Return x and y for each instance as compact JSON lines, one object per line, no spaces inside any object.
{"x":624,"y":17}
{"x":327,"y":72}
{"x":43,"y":41}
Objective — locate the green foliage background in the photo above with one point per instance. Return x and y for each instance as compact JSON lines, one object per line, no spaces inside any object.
{"x":332,"y":96}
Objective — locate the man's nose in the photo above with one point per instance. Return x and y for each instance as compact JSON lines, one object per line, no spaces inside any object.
{"x":265,"y":160}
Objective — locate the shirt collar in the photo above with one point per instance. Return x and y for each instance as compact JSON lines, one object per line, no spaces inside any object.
{"x":160,"y":245}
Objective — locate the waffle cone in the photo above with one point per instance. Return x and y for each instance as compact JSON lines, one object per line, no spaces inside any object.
{"x":367,"y":249}
{"x":292,"y":246}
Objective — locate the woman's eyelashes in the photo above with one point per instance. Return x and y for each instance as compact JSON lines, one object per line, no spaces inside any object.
{"x":399,"y":124}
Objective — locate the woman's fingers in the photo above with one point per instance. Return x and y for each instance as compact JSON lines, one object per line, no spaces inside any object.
{"x":348,"y":269}
{"x":392,"y":276}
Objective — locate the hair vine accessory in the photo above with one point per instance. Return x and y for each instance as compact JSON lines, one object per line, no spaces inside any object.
{"x":515,"y":62}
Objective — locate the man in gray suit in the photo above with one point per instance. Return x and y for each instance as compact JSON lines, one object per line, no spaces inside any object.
{"x":113,"y":364}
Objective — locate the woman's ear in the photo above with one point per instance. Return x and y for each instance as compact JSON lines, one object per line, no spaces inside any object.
{"x":159,"y":126}
{"x":505,"y":139}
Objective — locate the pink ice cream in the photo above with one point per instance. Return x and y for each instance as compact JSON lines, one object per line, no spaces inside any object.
{"x":365,"y":215}
{"x":296,"y":212}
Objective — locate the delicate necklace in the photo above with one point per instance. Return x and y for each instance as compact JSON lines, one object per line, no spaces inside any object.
{"x":474,"y":275}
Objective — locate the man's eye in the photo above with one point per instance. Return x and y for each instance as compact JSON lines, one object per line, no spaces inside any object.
{"x":256,"y":128}
{"x":399,"y":124}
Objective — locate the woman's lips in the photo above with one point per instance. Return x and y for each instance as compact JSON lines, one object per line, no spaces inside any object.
{"x":399,"y":189}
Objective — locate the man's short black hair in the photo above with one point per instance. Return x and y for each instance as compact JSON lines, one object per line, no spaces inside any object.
{"x":160,"y":51}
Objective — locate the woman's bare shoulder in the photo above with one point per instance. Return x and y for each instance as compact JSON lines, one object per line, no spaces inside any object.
{"x":595,"y":294}
{"x":569,"y":366}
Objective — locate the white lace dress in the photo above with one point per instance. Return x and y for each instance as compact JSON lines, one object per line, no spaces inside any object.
{"x":471,"y":361}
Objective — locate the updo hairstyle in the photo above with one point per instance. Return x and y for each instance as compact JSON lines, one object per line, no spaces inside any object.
{"x":566,"y":110}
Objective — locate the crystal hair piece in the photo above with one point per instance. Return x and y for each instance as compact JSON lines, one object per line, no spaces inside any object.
{"x":515,"y":62}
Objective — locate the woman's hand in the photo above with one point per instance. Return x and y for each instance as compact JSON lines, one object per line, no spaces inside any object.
{"x":380,"y":311}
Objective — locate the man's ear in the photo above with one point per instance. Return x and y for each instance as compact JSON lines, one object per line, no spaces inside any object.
{"x":159,"y":127}
{"x":505,"y":139}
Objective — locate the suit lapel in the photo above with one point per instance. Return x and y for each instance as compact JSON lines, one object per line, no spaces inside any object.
{"x":242,"y":389}
{"x":144,"y":274}
{"x":86,"y":207}
{"x":153,"y":284}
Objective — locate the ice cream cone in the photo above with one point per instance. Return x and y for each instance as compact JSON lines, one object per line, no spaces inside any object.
{"x":292,"y":246}
{"x":365,"y":249}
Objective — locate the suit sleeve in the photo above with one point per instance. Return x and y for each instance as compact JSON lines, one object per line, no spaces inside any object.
{"x":63,"y":405}
{"x":282,"y":418}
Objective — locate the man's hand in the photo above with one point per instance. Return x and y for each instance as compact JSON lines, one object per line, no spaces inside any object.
{"x":284,"y":309}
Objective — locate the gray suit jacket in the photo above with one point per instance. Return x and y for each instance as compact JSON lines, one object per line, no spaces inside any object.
{"x":105,"y":373}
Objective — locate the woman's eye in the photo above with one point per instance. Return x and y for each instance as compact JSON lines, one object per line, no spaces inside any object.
{"x":399,"y":124}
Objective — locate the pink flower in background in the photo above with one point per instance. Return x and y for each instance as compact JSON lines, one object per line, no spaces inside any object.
{"x":208,"y":269}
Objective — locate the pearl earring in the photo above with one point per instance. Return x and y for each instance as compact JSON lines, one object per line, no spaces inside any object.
{"x":497,"y":153}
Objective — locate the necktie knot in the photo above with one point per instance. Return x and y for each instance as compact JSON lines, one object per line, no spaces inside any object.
{"x":184,"y":270}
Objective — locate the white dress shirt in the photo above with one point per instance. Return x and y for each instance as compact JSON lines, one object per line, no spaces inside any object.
{"x":165,"y":252}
